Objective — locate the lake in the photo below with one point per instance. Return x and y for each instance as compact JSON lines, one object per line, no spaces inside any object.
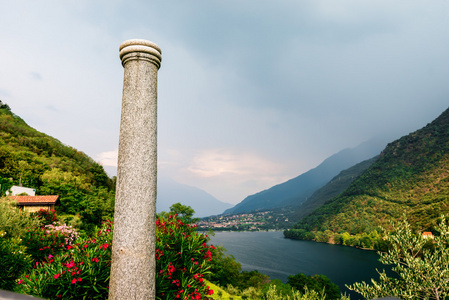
{"x":272,"y":254}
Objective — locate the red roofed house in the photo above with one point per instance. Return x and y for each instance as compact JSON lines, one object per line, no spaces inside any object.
{"x":35,"y":203}
{"x":427,"y":235}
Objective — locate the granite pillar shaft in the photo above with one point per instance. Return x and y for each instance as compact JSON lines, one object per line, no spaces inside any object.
{"x":133,"y":253}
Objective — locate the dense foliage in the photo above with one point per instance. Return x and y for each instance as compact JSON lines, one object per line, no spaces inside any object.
{"x":54,"y":262}
{"x":409,"y":177}
{"x":421,"y":264}
{"x":13,"y":261}
{"x":13,"y":221}
{"x":332,"y":189}
{"x":41,"y":162}
{"x":317,"y":283}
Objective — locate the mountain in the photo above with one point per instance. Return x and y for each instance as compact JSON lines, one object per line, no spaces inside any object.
{"x":39,"y":161}
{"x":333,"y":188}
{"x":295,"y":191}
{"x":171,"y":192}
{"x":410,"y":177}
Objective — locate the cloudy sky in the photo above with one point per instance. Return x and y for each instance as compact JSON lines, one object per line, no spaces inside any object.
{"x":251,"y":93}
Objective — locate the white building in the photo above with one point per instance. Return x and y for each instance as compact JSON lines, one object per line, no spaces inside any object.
{"x":17,"y":190}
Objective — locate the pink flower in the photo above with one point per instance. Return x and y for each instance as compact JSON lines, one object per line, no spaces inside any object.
{"x":20,"y":281}
{"x":73,"y":280}
{"x":56,"y":276}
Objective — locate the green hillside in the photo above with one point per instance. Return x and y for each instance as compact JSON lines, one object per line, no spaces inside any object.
{"x":410,"y":177}
{"x":333,"y":188}
{"x":52,"y":168}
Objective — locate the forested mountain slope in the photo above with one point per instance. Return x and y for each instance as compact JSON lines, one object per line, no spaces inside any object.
{"x":333,"y":188}
{"x":295,"y":191}
{"x":410,"y":176}
{"x":42,"y":162}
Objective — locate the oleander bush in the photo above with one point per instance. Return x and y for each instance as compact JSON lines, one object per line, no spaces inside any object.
{"x":47,"y":216}
{"x":66,"y":266}
{"x":79,"y":270}
{"x":48,"y":240}
{"x":183,"y":259}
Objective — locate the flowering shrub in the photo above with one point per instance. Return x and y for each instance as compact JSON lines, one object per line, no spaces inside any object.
{"x":47,"y":216}
{"x":182,"y":260}
{"x":48,"y":240}
{"x":80,"y":271}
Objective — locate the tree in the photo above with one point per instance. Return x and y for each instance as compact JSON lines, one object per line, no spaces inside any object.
{"x":224,"y":269}
{"x":4,"y":106}
{"x":317,"y":283}
{"x":184,"y":212}
{"x":422,"y":270}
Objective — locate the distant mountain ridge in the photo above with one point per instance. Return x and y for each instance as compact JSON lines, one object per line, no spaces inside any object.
{"x":295,"y":191}
{"x":410,"y":177}
{"x":171,"y":192}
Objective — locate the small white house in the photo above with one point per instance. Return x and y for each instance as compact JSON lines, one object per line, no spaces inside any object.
{"x":17,"y":190}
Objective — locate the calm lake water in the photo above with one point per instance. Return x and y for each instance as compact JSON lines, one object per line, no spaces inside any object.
{"x":272,"y":254}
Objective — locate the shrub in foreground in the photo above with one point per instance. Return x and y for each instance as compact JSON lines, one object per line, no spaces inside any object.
{"x":80,"y":269}
{"x":48,"y":240}
{"x":76,"y":271}
{"x":183,"y":259}
{"x":13,"y":261}
{"x":422,"y":271}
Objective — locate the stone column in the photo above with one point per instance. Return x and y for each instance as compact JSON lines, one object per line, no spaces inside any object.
{"x":133,"y":254}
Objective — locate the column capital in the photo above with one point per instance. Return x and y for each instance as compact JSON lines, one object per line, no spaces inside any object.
{"x":140,"y":49}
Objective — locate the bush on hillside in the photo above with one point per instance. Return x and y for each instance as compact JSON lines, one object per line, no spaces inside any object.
{"x":48,"y":240}
{"x":13,"y":261}
{"x":47,"y":216}
{"x":224,"y":270}
{"x":317,"y":283}
{"x":14,"y":221}
{"x":77,"y":271}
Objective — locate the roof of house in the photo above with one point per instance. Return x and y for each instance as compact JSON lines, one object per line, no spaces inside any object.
{"x":36,"y":200}
{"x":427,"y":233}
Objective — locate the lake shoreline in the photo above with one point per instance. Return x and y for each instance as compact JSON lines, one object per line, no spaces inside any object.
{"x":278,"y":257}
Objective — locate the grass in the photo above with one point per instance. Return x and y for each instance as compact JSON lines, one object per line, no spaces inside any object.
{"x":221,"y":294}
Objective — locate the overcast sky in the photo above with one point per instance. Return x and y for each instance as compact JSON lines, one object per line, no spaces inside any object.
{"x":251,"y":93}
